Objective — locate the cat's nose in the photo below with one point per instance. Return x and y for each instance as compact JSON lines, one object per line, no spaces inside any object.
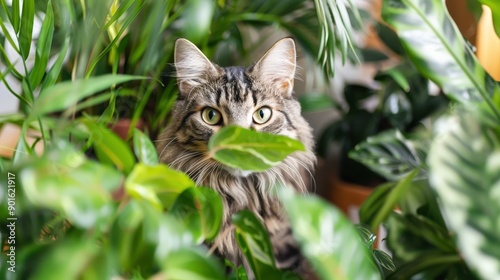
{"x":242,"y":123}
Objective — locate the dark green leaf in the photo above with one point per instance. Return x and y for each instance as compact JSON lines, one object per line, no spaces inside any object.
{"x":158,"y":185}
{"x":250,"y":150}
{"x":327,"y":238}
{"x":109,"y":147}
{"x":26,"y":29}
{"x":144,"y":148}
{"x":66,"y":94}
{"x":200,"y":209}
{"x":15,"y":15}
{"x":440,"y":53}
{"x":425,"y":262}
{"x":253,"y":241}
{"x":390,"y":154}
{"x":464,"y":171}
{"x":384,"y":260}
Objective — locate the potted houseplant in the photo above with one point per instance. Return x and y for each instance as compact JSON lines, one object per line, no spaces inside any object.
{"x":63,"y":208}
{"x":442,"y":179}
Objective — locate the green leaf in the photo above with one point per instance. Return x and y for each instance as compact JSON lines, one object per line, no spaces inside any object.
{"x":197,"y":17}
{"x":192,"y":263}
{"x":312,"y":102}
{"x":144,"y":149}
{"x":15,"y":15}
{"x":250,"y":150}
{"x":366,"y":234}
{"x":389,"y":154}
{"x":384,"y":260}
{"x":43,"y":47}
{"x":464,"y":171}
{"x":375,"y":201}
{"x":63,"y":95}
{"x":65,"y":181}
{"x":53,"y":73}
{"x":440,"y":53}
{"x":425,"y":263}
{"x":158,"y":185}
{"x":495,"y":11}
{"x":201,"y":210}
{"x":26,"y":29}
{"x":254,"y":242}
{"x":327,"y":238}
{"x":82,"y":258}
{"x":109,"y":147}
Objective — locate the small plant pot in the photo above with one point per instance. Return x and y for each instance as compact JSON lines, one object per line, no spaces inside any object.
{"x":122,"y":126}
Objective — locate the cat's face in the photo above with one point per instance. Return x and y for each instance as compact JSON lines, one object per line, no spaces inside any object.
{"x":211,"y":97}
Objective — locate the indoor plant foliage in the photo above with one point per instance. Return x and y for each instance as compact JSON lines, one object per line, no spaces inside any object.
{"x":457,"y":178}
{"x":95,"y":206}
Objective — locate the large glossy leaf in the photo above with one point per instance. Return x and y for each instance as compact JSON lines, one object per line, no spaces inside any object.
{"x":65,"y":94}
{"x":200,"y":209}
{"x":109,"y":147}
{"x":438,"y":50}
{"x":465,"y":172}
{"x":250,"y":150}
{"x":390,"y":154}
{"x":327,"y":238}
{"x":158,"y":185}
{"x":65,"y":181}
{"x":254,"y":242}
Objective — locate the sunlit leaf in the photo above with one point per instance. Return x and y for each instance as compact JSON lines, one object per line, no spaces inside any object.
{"x":192,"y":263}
{"x":109,"y":147}
{"x":83,"y":259}
{"x":65,"y":181}
{"x":250,"y":150}
{"x":495,"y":10}
{"x":144,"y":148}
{"x":327,"y":238}
{"x":200,"y":209}
{"x":158,"y":185}
{"x":66,"y":94}
{"x":464,"y":171}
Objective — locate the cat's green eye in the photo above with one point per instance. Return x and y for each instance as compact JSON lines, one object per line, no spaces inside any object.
{"x":262,"y":115}
{"x":211,"y":116}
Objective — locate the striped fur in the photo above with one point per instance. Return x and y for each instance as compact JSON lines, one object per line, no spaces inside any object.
{"x":237,"y":92}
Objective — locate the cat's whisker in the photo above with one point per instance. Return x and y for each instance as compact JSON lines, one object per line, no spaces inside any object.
{"x":311,"y":176}
{"x":164,"y":148}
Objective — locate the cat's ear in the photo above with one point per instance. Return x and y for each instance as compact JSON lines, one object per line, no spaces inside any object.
{"x":192,"y":67}
{"x":277,"y":66}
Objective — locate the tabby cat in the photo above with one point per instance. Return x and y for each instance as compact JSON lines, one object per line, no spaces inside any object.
{"x":258,"y":97}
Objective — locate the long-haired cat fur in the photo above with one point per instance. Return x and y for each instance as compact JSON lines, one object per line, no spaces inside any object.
{"x":259,"y":97}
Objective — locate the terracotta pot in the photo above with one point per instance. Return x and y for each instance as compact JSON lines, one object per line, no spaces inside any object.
{"x":122,"y":126}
